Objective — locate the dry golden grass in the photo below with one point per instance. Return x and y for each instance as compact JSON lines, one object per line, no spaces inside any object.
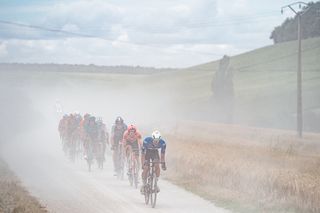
{"x":258,"y":169}
{"x":13,"y":197}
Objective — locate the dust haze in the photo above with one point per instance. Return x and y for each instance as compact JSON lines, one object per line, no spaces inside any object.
{"x":176,"y":105}
{"x":31,"y":145}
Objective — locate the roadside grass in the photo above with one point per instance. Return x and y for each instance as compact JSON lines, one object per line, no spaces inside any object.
{"x":13,"y":197}
{"x":247,"y":171}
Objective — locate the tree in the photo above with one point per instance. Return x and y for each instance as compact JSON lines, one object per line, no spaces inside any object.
{"x":310,"y":26}
{"x":223,"y":91}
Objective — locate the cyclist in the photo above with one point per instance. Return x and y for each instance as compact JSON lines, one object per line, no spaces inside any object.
{"x":132,"y":139}
{"x":91,"y":130}
{"x":78,"y":117}
{"x":150,"y":151}
{"x":72,"y":127}
{"x":102,"y":135}
{"x":77,"y":132}
{"x":117,"y":131}
{"x":83,"y":125}
{"x":63,"y":126}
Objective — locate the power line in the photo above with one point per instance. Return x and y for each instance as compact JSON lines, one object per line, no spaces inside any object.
{"x":155,"y":29}
{"x":98,"y":37}
{"x":277,"y":58}
{"x":184,"y":28}
{"x":265,"y":62}
{"x":190,"y":25}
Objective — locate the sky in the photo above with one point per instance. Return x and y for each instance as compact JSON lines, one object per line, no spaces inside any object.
{"x":153,"y":33}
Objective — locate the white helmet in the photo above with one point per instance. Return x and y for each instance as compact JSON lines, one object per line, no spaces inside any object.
{"x":156,"y":135}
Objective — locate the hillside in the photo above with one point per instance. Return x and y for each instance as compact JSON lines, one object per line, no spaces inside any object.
{"x":264,"y":84}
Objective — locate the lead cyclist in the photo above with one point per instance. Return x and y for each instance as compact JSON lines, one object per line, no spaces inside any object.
{"x":150,"y":151}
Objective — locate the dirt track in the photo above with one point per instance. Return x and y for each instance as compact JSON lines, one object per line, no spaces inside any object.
{"x":66,"y":187}
{"x":35,"y":154}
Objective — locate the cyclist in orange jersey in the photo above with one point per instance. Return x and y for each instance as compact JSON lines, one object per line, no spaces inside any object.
{"x":132,"y":141}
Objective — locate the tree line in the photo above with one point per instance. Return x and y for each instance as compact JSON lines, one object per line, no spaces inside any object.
{"x":310,"y":25}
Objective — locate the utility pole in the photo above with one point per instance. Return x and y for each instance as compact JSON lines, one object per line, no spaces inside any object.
{"x":299,"y":72}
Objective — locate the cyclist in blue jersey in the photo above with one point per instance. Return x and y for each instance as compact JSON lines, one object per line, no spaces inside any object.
{"x":150,"y":151}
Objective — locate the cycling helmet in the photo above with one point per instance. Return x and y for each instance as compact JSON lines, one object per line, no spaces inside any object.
{"x":87,"y":115}
{"x":99,"y":121}
{"x":119,"y":120}
{"x":132,"y":128}
{"x":92,"y":118}
{"x":156,"y":135}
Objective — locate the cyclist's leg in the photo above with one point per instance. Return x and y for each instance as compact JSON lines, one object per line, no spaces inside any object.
{"x":128,"y":150}
{"x":115,"y":157}
{"x":157,"y":158}
{"x":146,"y":168}
{"x":157,"y":166}
{"x":135,"y":149}
{"x":145,"y":172}
{"x":104,"y":150}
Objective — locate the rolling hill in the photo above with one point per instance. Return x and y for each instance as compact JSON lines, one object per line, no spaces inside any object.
{"x":264,"y":85}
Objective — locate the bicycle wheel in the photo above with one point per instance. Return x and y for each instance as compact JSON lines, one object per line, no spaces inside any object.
{"x":89,"y":157}
{"x":130,"y":174}
{"x":100,"y":157}
{"x":135,"y":173}
{"x":154,"y":191}
{"x":147,"y":193}
{"x":89,"y":165}
{"x":121,"y":163}
{"x":72,"y":150}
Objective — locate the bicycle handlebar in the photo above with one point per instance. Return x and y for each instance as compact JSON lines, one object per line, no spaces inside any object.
{"x":153,"y":162}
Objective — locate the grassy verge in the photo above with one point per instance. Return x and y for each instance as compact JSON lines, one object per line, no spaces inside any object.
{"x":247,"y":169}
{"x":13,"y":197}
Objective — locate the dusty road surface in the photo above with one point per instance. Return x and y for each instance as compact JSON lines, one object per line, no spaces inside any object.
{"x":63,"y":186}
{"x":36,"y":156}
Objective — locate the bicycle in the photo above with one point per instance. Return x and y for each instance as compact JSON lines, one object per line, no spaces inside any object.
{"x":151,"y":188}
{"x":74,"y":146}
{"x":99,"y":154}
{"x":88,"y":152}
{"x":120,"y":161}
{"x":133,"y":166}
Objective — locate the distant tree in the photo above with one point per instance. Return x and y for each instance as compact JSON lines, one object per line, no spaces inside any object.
{"x":310,"y":26}
{"x":223,"y":91}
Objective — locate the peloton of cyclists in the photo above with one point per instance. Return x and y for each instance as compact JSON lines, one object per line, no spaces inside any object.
{"x":93,"y":131}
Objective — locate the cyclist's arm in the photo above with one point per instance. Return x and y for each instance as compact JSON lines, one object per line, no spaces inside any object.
{"x":112,"y":137}
{"x":143,"y":153}
{"x":163,"y":152}
{"x":139,"y":140}
{"x":124,"y":140}
{"x":163,"y":158}
{"x":107,"y":137}
{"x":142,"y":158}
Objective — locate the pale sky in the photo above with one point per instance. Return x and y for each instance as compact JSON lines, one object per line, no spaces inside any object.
{"x":158,"y":33}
